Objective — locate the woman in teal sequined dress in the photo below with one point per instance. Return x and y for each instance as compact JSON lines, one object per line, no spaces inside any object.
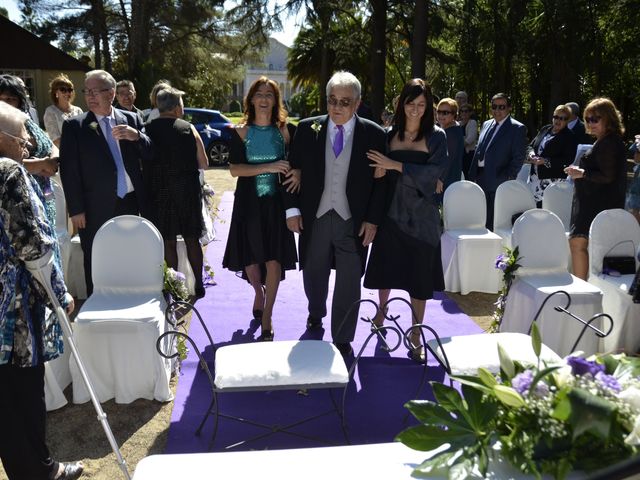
{"x":259,"y":244}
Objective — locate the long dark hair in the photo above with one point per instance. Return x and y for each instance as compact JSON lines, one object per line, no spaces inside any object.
{"x":413,"y":89}
{"x":278,"y":113}
{"x":13,"y":86}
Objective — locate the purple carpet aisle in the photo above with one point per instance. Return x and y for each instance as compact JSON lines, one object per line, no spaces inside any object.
{"x":384,"y":382}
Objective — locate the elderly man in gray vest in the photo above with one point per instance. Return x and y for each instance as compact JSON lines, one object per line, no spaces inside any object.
{"x":339,"y":205}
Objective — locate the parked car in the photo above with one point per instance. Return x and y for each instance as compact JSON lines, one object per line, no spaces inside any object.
{"x":214,"y":129}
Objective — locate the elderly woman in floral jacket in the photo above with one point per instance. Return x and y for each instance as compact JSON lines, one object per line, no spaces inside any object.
{"x":28,"y":338}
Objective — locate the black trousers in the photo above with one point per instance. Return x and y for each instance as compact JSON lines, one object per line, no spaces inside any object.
{"x":333,"y":242}
{"x":124,"y":206}
{"x":23,"y":447}
{"x":490,"y":197}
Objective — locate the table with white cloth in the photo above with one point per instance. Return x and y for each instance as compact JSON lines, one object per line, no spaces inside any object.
{"x":383,"y":461}
{"x":558,"y":330}
{"x":118,"y":349}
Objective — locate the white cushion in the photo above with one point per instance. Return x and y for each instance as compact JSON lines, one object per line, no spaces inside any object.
{"x":273,"y":365}
{"x":467,"y":353}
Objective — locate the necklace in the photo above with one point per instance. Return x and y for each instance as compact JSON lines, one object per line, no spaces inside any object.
{"x":411,"y":135}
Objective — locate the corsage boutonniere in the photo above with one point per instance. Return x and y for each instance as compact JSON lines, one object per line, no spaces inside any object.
{"x":94,"y":126}
{"x":316,"y":127}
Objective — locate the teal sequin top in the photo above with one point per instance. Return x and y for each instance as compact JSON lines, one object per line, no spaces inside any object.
{"x":264,"y":144}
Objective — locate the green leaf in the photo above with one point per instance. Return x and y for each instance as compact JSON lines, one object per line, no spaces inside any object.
{"x":482,"y":410}
{"x":541,"y":374}
{"x":461,"y":470}
{"x":506,"y":364}
{"x":508,"y":396}
{"x":430,"y":413}
{"x":438,"y":464}
{"x":474,"y":382}
{"x":590,"y":413}
{"x":429,"y":437}
{"x":448,"y":397}
{"x":487,"y":377}
{"x":563,"y":407}
{"x":536,"y":341}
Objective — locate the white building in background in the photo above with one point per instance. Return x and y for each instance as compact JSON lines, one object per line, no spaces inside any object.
{"x":274,"y":66}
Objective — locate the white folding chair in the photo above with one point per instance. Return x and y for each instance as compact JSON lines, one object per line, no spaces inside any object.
{"x":117,"y":327}
{"x":557,"y":198}
{"x":616,"y":233}
{"x":523,"y":174}
{"x":512,"y":197}
{"x":539,"y":235}
{"x":62,"y":227}
{"x":469,"y":249}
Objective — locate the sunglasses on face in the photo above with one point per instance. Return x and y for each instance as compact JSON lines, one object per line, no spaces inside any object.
{"x":66,"y":89}
{"x":594,"y":119}
{"x":444,"y":112}
{"x":558,"y":117}
{"x":343,"y":102}
{"x":495,"y":106}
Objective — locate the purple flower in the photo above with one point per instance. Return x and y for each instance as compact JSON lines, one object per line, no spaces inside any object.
{"x":580,"y":366}
{"x":522,"y":381}
{"x":522,"y":384}
{"x":608,"y":381}
{"x":502,"y":262}
{"x":180,"y":276}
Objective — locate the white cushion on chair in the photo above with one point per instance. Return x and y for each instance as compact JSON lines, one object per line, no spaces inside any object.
{"x":274,"y":365}
{"x":557,"y":198}
{"x":467,"y":353}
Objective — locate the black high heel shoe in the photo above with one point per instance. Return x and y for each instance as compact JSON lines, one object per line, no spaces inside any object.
{"x":71,"y":471}
{"x":266,"y":335}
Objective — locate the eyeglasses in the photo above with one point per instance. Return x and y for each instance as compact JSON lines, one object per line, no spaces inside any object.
{"x":444,"y":112}
{"x":343,"y":102}
{"x":594,"y":119}
{"x":558,"y":117}
{"x":495,"y":106}
{"x":92,"y":92}
{"x":24,"y":143}
{"x":66,"y":89}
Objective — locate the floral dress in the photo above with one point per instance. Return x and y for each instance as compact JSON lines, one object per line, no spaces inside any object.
{"x":27,"y":337}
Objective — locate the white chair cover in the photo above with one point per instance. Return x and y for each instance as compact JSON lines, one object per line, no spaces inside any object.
{"x":57,"y":377}
{"x":469,"y":249}
{"x":62,"y":227}
{"x":185,"y":267}
{"x":523,"y":174}
{"x":557,"y":198}
{"x":616,"y":232}
{"x":512,"y":197}
{"x":117,"y":327}
{"x":74,"y":278}
{"x":539,"y":235}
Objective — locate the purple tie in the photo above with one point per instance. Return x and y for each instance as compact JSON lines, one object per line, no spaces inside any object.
{"x":338,"y":141}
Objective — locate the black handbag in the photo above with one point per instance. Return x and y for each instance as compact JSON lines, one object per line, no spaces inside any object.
{"x":634,"y":289}
{"x":622,"y":265}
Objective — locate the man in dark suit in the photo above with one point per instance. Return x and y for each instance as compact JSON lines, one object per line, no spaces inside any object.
{"x":500,"y":152}
{"x":576,"y":125}
{"x":339,"y":205}
{"x":100,"y":156}
{"x":126,"y":98}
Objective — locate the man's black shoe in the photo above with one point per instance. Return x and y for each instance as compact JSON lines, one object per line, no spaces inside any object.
{"x":344,"y":349}
{"x":313,"y":323}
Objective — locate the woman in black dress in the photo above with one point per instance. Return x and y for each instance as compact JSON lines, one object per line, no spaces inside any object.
{"x":406,"y":250}
{"x":260,"y":245}
{"x":600,"y":178}
{"x":550,"y":152}
{"x":174,"y":195}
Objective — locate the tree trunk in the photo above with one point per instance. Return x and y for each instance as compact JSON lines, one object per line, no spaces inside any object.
{"x":378,"y":56}
{"x":323,"y":11}
{"x":138,"y":38}
{"x":419,"y":40}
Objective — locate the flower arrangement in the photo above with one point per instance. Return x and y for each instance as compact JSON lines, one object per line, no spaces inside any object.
{"x":316,"y":126}
{"x":175,"y":284}
{"x":583,"y":414}
{"x":508,"y":263}
{"x":94,"y":126}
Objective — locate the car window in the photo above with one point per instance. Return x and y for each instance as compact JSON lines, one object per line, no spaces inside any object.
{"x":197,"y":117}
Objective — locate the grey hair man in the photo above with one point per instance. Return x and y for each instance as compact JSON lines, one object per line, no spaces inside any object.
{"x":338,"y":207}
{"x":576,"y":125}
{"x":100,"y":156}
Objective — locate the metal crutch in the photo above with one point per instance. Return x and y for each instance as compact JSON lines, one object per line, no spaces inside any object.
{"x":41,"y":270}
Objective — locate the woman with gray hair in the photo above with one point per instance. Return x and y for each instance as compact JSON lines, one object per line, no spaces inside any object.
{"x":28,"y":338}
{"x":173,"y":182}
